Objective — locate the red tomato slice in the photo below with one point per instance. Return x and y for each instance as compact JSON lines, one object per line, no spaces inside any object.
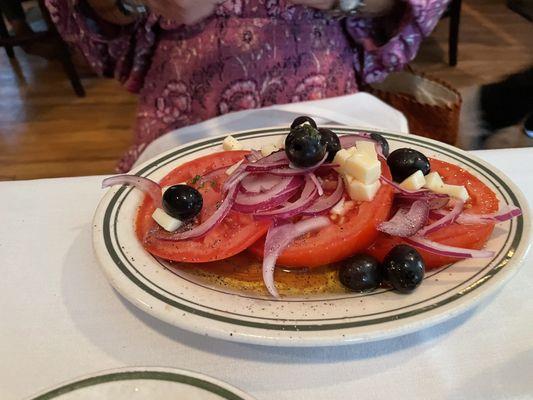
{"x":482,"y":201}
{"x":231,"y":236}
{"x":355,"y":232}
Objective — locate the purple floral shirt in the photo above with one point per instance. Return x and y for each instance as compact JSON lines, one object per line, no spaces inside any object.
{"x":249,"y":54}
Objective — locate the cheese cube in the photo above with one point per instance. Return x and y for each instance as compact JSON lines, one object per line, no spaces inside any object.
{"x":232,"y":169}
{"x":230,"y":143}
{"x":268,"y":149}
{"x":165,"y":221}
{"x":279,"y":142}
{"x":415,"y":182}
{"x":456,"y":191}
{"x":303,"y":124}
{"x":359,"y":191}
{"x":340,"y":158}
{"x":434,"y":182}
{"x":367,"y":148}
{"x":362,"y":168}
{"x":352,"y":150}
{"x":338,"y":208}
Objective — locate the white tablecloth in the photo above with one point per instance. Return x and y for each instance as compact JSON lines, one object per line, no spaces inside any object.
{"x":59,"y":318}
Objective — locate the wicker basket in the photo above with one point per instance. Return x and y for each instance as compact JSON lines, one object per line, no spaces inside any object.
{"x":431,"y":106}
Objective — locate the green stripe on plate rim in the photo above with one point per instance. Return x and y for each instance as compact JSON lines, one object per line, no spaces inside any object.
{"x":140,"y":375}
{"x":313,"y":327}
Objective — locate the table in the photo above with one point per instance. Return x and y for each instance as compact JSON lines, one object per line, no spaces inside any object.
{"x":59,"y":318}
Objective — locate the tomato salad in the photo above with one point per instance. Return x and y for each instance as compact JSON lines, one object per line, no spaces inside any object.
{"x":323,"y":199}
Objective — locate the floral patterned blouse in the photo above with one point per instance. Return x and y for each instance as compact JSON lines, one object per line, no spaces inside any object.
{"x":249,"y":54}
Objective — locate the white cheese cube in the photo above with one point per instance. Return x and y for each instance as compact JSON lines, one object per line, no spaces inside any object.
{"x":352,"y":150}
{"x":165,"y":221}
{"x":305,"y":123}
{"x":232,"y":169}
{"x":340,"y":158}
{"x":268,"y":149}
{"x":359,"y":191}
{"x":367,"y":148}
{"x":362,"y":168}
{"x":338,"y":208}
{"x":415,"y":182}
{"x":230,"y":143}
{"x":434,"y":182}
{"x":459,"y":192}
{"x":280,"y":142}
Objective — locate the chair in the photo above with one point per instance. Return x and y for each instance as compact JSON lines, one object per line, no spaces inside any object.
{"x":454,"y":12}
{"x":63,"y":54}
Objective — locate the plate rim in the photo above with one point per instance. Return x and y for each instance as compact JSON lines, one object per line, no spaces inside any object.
{"x":432,"y":317}
{"x":149,"y":372}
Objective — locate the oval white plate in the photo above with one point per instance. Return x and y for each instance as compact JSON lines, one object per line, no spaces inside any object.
{"x":144,"y":384}
{"x":307,"y":321}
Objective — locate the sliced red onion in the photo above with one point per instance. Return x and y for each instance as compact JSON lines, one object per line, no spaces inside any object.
{"x":274,"y":160}
{"x":279,"y":155}
{"x":269,"y":204}
{"x":147,"y":186}
{"x":278,"y":239}
{"x":260,"y":183}
{"x":324,"y":204}
{"x":236,"y":175}
{"x":406,"y":222}
{"x":317,"y":184}
{"x":290,"y":171}
{"x":215,"y":172}
{"x":276,"y":196}
{"x":209,"y":223}
{"x":435,"y":200}
{"x":448,"y":251}
{"x":401,"y":189}
{"x":253,"y":156}
{"x":351,"y":140}
{"x":265,"y":167}
{"x":308,"y":196}
{"x":504,"y":214}
{"x":448,"y":219}
{"x":436,"y":203}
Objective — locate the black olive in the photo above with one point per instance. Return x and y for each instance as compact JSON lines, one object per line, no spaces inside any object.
{"x":182,"y":201}
{"x":304,"y":146}
{"x":361,"y":273}
{"x":404,"y":268}
{"x":405,"y":162}
{"x":383,"y":143}
{"x":303,"y":119}
{"x":331,"y":141}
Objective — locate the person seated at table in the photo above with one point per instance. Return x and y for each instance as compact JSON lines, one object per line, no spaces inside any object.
{"x":194,"y":60}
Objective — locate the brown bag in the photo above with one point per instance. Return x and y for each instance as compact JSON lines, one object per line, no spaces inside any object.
{"x":431,"y":106}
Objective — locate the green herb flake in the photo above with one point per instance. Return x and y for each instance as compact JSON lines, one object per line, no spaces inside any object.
{"x":194,"y":180}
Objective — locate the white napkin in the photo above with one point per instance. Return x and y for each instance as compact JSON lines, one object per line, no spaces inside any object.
{"x":360,"y":110}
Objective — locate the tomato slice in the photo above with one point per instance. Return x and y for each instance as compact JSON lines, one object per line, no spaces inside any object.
{"x":231,"y":236}
{"x":353,"y":234}
{"x":482,"y":201}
